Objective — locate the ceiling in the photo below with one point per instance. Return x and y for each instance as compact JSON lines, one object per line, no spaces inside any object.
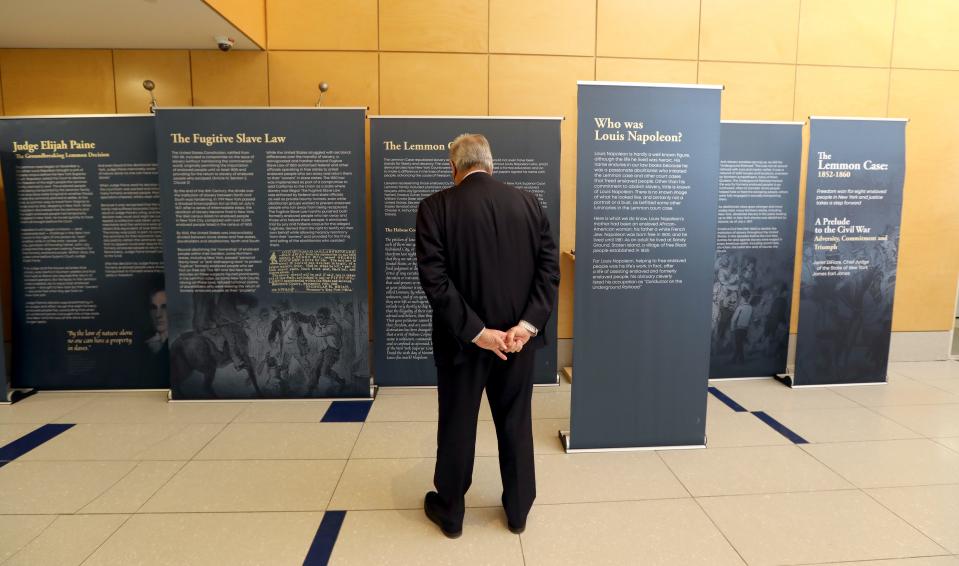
{"x":115,"y":24}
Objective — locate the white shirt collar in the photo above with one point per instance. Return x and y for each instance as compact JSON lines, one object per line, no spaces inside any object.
{"x":471,"y":172}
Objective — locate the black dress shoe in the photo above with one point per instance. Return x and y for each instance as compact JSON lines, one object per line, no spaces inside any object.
{"x":431,"y":505}
{"x":515,"y":530}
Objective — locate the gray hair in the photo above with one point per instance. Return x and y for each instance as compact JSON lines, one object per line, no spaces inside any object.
{"x":469,"y":151}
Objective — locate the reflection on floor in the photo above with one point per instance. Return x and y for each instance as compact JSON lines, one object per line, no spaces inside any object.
{"x":139,"y":481}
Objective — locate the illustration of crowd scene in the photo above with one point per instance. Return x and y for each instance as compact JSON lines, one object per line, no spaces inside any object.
{"x":238,"y":347}
{"x":750,"y":315}
{"x":852,"y":314}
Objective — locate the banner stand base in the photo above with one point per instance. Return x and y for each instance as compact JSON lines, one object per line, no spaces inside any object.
{"x":564,"y":438}
{"x":15,"y":395}
{"x":818,"y":385}
{"x":374,"y":389}
{"x":756,"y":378}
{"x":788,"y":380}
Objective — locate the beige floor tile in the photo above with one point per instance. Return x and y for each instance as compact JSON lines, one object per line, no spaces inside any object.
{"x":284,"y":412}
{"x":890,"y":463}
{"x":129,"y":441}
{"x":604,"y":476}
{"x":396,"y":440}
{"x":635,"y":532}
{"x":131,"y":492}
{"x":282,"y":441}
{"x":950,"y":384}
{"x":934,"y":510}
{"x":184,"y":444}
{"x":56,"y":487}
{"x":922,"y":370}
{"x":414,"y":440}
{"x":210,"y":539}
{"x":546,"y":435}
{"x":404,"y":408}
{"x":248,"y":485}
{"x":551,"y":405}
{"x":402,"y":484}
{"x":41,"y":408}
{"x":11,"y":432}
{"x":816,"y":527}
{"x":19,"y":530}
{"x":929,"y":420}
{"x":769,"y":394}
{"x":154,"y":409}
{"x":841,"y":425}
{"x":408,"y":538}
{"x":753,"y":469}
{"x":924,"y":561}
{"x":952,"y":443}
{"x":728,"y":428}
{"x":904,"y":392}
{"x":69,"y":540}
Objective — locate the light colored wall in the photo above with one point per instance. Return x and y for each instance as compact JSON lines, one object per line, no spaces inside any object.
{"x":779,"y":60}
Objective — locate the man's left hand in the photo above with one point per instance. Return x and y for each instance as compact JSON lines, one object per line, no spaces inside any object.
{"x":516,"y":338}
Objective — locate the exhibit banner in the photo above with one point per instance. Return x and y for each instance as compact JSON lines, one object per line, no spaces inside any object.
{"x":854,"y":184}
{"x":410,"y":161}
{"x":646,"y":195}
{"x":759,"y":170}
{"x":89,"y":307}
{"x":265,"y":246}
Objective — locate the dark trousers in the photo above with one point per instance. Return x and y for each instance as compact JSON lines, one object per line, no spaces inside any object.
{"x":509,"y":388}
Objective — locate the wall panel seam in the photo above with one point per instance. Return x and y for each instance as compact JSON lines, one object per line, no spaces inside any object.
{"x":892,"y":49}
{"x":796,"y":61}
{"x":699,"y":39}
{"x":113,"y":74}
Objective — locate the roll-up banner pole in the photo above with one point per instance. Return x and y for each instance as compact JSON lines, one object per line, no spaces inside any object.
{"x":854,"y":191}
{"x":265,"y":246}
{"x":89,"y":306}
{"x":6,"y":395}
{"x":759,"y":171}
{"x":410,"y":161}
{"x":647,"y":177}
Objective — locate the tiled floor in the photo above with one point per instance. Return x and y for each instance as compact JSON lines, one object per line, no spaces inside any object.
{"x":141,"y":481}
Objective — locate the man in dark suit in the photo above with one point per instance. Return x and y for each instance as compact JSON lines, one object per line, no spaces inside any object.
{"x":489,"y":266}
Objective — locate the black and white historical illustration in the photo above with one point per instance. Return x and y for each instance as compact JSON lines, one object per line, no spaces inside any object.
{"x":755,"y":248}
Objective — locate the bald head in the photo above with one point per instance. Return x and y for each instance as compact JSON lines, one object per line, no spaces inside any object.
{"x":468,"y":153}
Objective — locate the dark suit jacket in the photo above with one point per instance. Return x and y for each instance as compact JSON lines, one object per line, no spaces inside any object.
{"x":486,"y":257}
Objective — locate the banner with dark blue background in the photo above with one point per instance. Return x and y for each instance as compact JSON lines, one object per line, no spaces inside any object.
{"x":89,"y":308}
{"x":265,"y":246}
{"x":410,"y":161}
{"x":854,"y":192}
{"x":755,"y":247}
{"x":646,"y":196}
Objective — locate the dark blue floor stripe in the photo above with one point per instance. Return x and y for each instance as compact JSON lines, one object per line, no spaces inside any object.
{"x":780,"y":428}
{"x":347,"y":412}
{"x":727,"y":400}
{"x":31,"y":440}
{"x":322,"y":547}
